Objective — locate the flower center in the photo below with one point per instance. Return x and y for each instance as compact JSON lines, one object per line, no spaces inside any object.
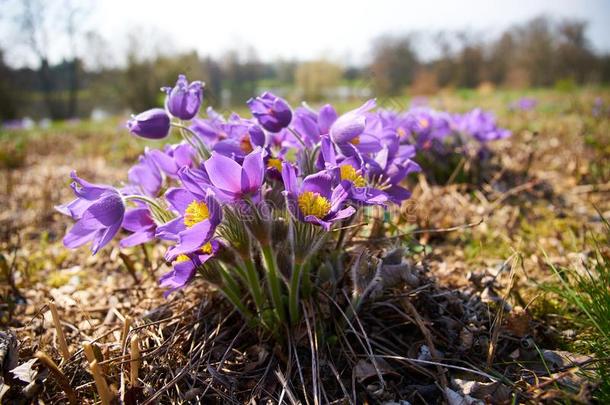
{"x":196,"y":212}
{"x":182,"y":258}
{"x":275,"y":163}
{"x":207,"y":248}
{"x":314,"y":204}
{"x":401,"y":132}
{"x":355,"y":141}
{"x":348,"y":172}
{"x":424,"y":122}
{"x":245,"y":144}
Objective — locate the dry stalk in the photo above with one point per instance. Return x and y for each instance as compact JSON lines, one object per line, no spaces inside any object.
{"x":89,"y":354}
{"x":125,"y":331}
{"x":61,"y":378}
{"x":100,"y":382}
{"x":61,"y":338}
{"x":135,"y":361}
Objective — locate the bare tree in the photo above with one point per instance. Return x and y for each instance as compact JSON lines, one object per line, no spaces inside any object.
{"x":37,"y":22}
{"x":394,"y":64}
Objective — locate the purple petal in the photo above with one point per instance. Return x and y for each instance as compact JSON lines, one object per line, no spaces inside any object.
{"x":137,"y":238}
{"x":253,"y":171}
{"x":191,"y":239}
{"x":320,"y":183}
{"x":138,"y":219}
{"x":179,"y":199}
{"x":224,"y":173}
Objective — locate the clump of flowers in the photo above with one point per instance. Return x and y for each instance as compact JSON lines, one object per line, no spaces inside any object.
{"x":443,"y":143}
{"x":249,"y":203}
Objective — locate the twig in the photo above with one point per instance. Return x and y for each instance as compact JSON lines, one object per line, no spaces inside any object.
{"x":428,"y":337}
{"x":100,"y":383}
{"x":125,"y":331}
{"x":134,"y":364}
{"x":89,"y":353}
{"x":62,"y":380}
{"x":429,"y":230}
{"x":61,"y":338}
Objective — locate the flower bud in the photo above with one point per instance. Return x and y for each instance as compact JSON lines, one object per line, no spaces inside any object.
{"x":150,"y":124}
{"x":184,"y":99}
{"x":272,"y":112}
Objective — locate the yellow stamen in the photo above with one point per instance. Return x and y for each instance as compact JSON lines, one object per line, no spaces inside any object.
{"x":314,"y":204}
{"x":401,"y":131}
{"x":348,"y":172}
{"x":424,"y":122}
{"x":182,"y":258}
{"x":245,"y":144}
{"x":207,"y":248}
{"x":275,"y":164}
{"x":196,"y":212}
{"x":355,"y":141}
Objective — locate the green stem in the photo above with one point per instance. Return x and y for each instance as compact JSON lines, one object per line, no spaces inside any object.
{"x":231,"y":291}
{"x":274,"y":281}
{"x":293,"y":293}
{"x":159,"y":212}
{"x":306,"y":280}
{"x":297,"y":135}
{"x":255,"y":286}
{"x":193,"y":139}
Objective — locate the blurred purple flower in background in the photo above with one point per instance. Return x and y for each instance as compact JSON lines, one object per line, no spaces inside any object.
{"x":524,"y":104}
{"x":481,"y":125}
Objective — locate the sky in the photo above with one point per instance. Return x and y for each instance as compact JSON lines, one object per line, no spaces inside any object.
{"x":337,"y":30}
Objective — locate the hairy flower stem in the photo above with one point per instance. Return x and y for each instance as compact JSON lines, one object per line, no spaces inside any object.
{"x":306,"y":280}
{"x":298,"y":136}
{"x":158,"y":212}
{"x":231,"y":291}
{"x":275,"y":286}
{"x":255,"y":286}
{"x":193,"y":139}
{"x":293,"y":292}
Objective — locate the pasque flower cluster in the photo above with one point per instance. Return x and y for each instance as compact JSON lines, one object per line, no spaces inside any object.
{"x":217,"y":198}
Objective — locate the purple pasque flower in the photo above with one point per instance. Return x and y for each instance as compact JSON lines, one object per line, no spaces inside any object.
{"x":271,"y":111}
{"x":140,"y":222}
{"x":424,"y":127}
{"x":98,"y":210}
{"x":390,"y":166}
{"x":145,"y":176}
{"x":315,"y":200}
{"x":242,"y":137}
{"x":234,"y":138}
{"x":150,"y":124}
{"x":481,"y":125}
{"x":210,"y":129}
{"x":195,"y":224}
{"x":173,"y":157}
{"x":351,"y":124}
{"x":351,"y":172}
{"x":184,"y":99}
{"x":326,"y":118}
{"x":185,"y":267}
{"x":356,"y":131}
{"x":232,"y":181}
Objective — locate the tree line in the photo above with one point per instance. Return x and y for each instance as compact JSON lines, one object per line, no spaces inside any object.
{"x":539,"y":53}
